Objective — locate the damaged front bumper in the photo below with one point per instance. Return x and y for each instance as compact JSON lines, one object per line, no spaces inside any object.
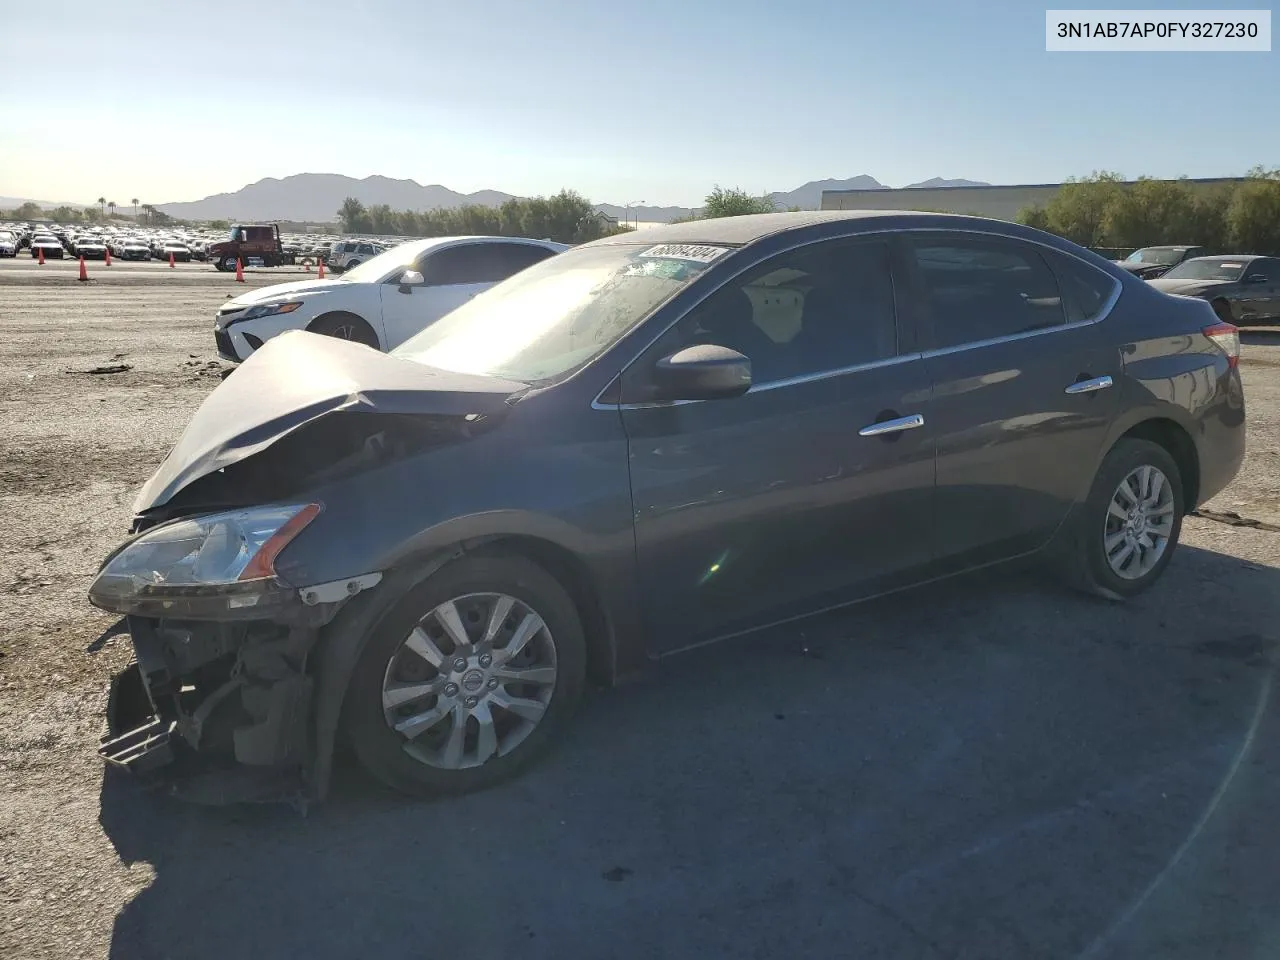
{"x":222,"y":711}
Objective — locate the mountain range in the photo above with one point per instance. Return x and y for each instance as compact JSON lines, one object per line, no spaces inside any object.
{"x":316,"y":197}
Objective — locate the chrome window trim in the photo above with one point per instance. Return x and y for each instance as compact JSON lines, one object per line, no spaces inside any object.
{"x":1007,"y":338}
{"x":1102,"y":314}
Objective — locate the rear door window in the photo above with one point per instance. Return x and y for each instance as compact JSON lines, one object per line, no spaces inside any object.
{"x":985,"y":288}
{"x":506,"y":259}
{"x":1086,"y":291}
{"x":469,"y":263}
{"x":1267,"y":268}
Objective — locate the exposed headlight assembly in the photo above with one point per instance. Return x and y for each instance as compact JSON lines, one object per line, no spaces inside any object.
{"x":269,"y":310}
{"x":210,"y":567}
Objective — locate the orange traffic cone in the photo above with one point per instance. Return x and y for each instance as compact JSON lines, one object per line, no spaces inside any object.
{"x":320,"y":274}
{"x":108,"y":256}
{"x":84,"y":271}
{"x":40,"y":251}
{"x":171,"y":258}
{"x":239,"y":271}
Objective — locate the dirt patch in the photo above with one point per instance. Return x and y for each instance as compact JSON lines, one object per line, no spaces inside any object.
{"x":58,"y":466}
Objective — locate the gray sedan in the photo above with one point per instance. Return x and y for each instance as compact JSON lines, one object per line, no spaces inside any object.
{"x":644,"y":444}
{"x":1241,"y":289}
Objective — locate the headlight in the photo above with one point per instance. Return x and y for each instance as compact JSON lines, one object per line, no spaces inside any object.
{"x":202,"y":566}
{"x":269,"y":310}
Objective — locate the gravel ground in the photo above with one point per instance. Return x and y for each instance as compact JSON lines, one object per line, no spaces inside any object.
{"x":991,"y":767}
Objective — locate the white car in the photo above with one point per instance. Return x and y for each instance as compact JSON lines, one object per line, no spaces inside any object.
{"x":382,"y":302}
{"x":8,"y":244}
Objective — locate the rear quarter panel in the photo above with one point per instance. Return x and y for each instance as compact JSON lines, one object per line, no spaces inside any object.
{"x":1172,"y":371}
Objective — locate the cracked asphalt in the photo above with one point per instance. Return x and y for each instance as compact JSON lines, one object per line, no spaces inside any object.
{"x":988,"y":767}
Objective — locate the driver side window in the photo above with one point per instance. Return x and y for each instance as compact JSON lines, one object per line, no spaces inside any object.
{"x":820,"y":308}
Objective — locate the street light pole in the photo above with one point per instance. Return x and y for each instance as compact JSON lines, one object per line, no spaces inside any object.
{"x":633,"y":203}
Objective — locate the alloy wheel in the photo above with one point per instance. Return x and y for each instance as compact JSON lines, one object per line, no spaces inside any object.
{"x":471,"y":681}
{"x":1139,"y":522}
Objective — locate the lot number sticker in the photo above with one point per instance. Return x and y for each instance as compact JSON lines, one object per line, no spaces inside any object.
{"x":686,"y":251}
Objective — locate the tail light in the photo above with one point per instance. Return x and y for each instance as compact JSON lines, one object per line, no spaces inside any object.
{"x":1226,"y":337}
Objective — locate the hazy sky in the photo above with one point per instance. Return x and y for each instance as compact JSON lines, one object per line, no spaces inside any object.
{"x":169,"y":100}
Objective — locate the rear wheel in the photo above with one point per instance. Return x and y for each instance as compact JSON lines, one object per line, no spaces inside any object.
{"x":345,"y":326}
{"x":1128,"y":528}
{"x":469,"y":677}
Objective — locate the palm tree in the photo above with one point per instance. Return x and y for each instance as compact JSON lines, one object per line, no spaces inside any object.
{"x":111,"y":205}
{"x":135,"y":208}
{"x":102,"y":202}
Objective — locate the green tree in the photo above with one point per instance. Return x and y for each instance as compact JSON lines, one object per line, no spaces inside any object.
{"x":102,"y":203}
{"x":1078,"y":211}
{"x":353,"y":216}
{"x":134,"y":201}
{"x":1034,"y":215}
{"x":65,"y":214}
{"x":28,"y":211}
{"x":734,"y":203}
{"x":1253,"y":216}
{"x":1209,"y":217}
{"x":1150,"y":212}
{"x":219,"y":224}
{"x":381,"y":219}
{"x":111,"y":205}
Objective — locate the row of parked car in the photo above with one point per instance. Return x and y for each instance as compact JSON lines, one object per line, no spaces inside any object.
{"x":130,"y":242}
{"x":1243,"y":289}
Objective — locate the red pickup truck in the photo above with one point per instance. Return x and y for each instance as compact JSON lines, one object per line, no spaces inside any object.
{"x":253,"y":244}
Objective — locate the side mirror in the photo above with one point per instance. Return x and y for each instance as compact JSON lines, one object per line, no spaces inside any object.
{"x":410,"y":279}
{"x":703,"y":372}
{"x":1257,"y":278}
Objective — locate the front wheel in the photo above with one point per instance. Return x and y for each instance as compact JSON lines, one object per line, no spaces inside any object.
{"x":1128,"y":528}
{"x":345,"y":326}
{"x":470,"y":676}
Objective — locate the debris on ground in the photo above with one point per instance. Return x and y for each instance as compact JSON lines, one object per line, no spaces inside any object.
{"x":1233,"y":519}
{"x":109,"y":368}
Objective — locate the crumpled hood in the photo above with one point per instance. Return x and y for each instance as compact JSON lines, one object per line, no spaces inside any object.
{"x":298,"y":377}
{"x":1186,"y":288}
{"x":278,"y":290}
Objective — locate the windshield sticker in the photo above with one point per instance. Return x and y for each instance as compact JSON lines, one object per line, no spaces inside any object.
{"x":686,"y":251}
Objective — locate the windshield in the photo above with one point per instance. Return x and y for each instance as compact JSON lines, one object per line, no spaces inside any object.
{"x":377,"y":267}
{"x":1214,"y":269}
{"x":1159,"y":255}
{"x":558,"y":315}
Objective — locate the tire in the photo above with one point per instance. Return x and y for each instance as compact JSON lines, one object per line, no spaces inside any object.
{"x":1085,"y":561}
{"x":351,"y":266}
{"x":345,"y":326}
{"x":422,"y":766}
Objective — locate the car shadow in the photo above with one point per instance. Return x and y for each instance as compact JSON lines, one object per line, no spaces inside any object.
{"x":986,"y":767}
{"x":1260,"y":336}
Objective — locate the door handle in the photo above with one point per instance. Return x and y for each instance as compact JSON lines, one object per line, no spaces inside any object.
{"x":1089,"y":386}
{"x":896,"y":425}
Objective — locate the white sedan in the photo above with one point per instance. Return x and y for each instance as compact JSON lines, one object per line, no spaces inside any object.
{"x":382,"y":302}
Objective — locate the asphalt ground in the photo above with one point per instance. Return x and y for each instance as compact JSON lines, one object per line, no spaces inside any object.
{"x":991,"y":767}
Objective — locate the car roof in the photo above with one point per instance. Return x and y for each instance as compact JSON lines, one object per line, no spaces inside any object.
{"x":740,"y":231}
{"x":1240,"y":257}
